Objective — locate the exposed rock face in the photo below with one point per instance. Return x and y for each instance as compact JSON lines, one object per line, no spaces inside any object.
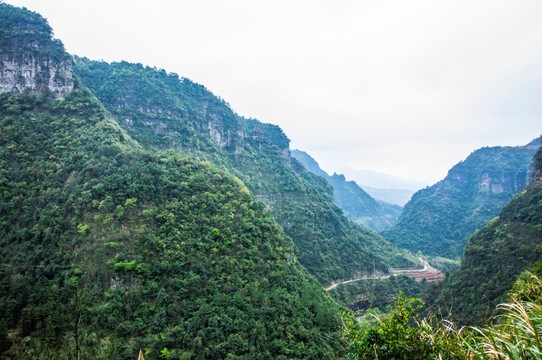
{"x":219,"y":136}
{"x":18,"y":74}
{"x":31,"y":59}
{"x":511,"y":182}
{"x":438,"y":220}
{"x":536,"y":176}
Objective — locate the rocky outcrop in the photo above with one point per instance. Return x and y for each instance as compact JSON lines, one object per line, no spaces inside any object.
{"x":536,"y":176}
{"x":438,"y":220}
{"x":36,"y":74}
{"x":30,"y":60}
{"x":511,"y":182}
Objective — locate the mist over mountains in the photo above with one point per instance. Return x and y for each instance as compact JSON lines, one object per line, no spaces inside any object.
{"x":357,"y":204}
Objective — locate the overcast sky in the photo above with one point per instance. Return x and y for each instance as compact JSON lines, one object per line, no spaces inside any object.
{"x":407,"y":88}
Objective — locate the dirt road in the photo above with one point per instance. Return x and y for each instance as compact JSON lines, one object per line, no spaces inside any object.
{"x":428,"y":272}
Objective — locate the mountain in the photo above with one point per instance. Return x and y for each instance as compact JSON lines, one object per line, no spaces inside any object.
{"x":164,"y":112}
{"x":380,"y":180}
{"x":392,"y":196}
{"x":356,"y":203}
{"x":496,"y":254}
{"x":107,"y":248}
{"x":384,"y":187}
{"x":439,"y":219}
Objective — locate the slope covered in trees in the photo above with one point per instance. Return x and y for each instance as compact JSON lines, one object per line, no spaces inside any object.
{"x":162,"y":111}
{"x":438,"y":220}
{"x":497,"y":254}
{"x":107,"y":248}
{"x":355,"y":202}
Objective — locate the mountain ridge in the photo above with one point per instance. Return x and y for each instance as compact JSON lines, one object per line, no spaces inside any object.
{"x":439,"y":219}
{"x":496,"y":254}
{"x":183,"y":116}
{"x":355,"y":202}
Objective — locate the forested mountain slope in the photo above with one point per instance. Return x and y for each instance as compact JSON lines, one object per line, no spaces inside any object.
{"x":355,"y":202}
{"x":161,"y":111}
{"x":438,"y":220}
{"x":497,"y":254}
{"x":107,"y":248}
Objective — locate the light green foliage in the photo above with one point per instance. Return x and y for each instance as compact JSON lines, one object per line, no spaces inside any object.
{"x":516,"y":332}
{"x":400,"y":335}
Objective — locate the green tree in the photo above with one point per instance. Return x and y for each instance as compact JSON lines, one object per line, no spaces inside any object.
{"x":5,"y":342}
{"x":400,"y":335}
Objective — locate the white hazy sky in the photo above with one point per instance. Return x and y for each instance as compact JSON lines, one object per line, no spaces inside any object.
{"x":407,"y":88}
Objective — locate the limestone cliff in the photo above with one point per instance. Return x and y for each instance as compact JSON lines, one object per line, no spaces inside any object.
{"x":536,"y":176}
{"x":29,"y":59}
{"x":438,"y":220}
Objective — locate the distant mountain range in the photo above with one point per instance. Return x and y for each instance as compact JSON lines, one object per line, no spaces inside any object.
{"x":381,"y":186}
{"x":393,"y":196}
{"x":357,"y":204}
{"x":381,"y":180}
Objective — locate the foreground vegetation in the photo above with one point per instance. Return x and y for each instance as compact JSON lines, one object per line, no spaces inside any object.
{"x":515,"y":333}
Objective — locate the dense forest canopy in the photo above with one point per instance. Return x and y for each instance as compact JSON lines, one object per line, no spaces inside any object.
{"x":107,"y":248}
{"x":138,"y":212}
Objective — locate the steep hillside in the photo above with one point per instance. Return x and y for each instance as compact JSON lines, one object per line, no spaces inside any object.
{"x":497,"y":254}
{"x":438,"y":220}
{"x":162,"y":111}
{"x":106,"y":248}
{"x":355,"y":202}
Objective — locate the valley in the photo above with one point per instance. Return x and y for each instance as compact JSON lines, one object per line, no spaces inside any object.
{"x":140,"y":214}
{"x":428,"y":273}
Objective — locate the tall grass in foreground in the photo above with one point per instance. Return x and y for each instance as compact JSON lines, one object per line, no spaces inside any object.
{"x":514,"y":334}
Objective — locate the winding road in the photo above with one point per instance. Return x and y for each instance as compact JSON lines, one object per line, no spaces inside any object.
{"x":428,"y":272}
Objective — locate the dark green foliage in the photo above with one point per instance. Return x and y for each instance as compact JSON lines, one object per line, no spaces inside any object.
{"x":353,"y":200}
{"x":104,"y":243}
{"x":161,"y":111}
{"x":106,"y":248}
{"x":24,"y":32}
{"x":5,"y":342}
{"x":439,"y":219}
{"x":495,"y":256}
{"x":375,"y":295}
